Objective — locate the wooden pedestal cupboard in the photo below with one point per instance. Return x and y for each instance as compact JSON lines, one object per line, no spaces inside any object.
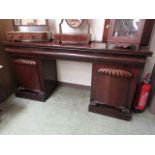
{"x":35,"y":78}
{"x":115,"y":72}
{"x":113,"y":87}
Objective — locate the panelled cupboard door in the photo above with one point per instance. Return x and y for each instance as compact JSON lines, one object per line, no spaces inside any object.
{"x":28,"y":74}
{"x":112,"y":85}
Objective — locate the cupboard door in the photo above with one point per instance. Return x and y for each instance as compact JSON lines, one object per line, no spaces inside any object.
{"x":28,"y":74}
{"x":111,"y":85}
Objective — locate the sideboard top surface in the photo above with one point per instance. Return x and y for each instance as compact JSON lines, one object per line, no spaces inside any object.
{"x":92,"y":47}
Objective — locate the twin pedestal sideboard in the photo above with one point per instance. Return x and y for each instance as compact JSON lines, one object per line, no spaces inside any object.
{"x":115,"y":72}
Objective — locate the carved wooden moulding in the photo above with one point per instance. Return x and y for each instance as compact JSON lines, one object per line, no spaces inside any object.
{"x":115,"y":72}
{"x":23,"y":61}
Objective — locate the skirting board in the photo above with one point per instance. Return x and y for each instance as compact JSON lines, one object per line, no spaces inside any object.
{"x":72,"y":85}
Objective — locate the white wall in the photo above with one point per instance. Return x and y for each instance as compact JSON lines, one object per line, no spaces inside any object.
{"x":150,"y":60}
{"x":73,"y":71}
{"x":80,"y":72}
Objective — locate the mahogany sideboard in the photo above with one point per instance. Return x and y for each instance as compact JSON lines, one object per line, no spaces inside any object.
{"x":115,"y":72}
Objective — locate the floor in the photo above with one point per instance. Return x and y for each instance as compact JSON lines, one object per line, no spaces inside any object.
{"x":66,"y":112}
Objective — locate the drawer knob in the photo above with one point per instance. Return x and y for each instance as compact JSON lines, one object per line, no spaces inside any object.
{"x":1,"y":66}
{"x":20,"y":37}
{"x":33,"y":37}
{"x":10,"y":36}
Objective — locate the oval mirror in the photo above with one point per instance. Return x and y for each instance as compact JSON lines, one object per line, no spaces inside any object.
{"x":74,"y":23}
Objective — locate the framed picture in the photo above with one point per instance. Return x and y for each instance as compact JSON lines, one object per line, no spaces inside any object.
{"x":30,"y":22}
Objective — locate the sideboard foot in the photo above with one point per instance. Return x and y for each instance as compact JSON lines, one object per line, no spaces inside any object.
{"x":109,"y":111}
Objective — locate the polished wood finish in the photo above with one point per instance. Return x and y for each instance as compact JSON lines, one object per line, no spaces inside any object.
{"x":5,"y":89}
{"x":115,"y":71}
{"x":72,"y":39}
{"x":28,"y":68}
{"x":114,"y":85}
{"x":141,"y":38}
{"x":110,"y":111}
{"x":28,"y":36}
{"x":6,"y":78}
{"x":106,"y":30}
{"x":36,"y":78}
